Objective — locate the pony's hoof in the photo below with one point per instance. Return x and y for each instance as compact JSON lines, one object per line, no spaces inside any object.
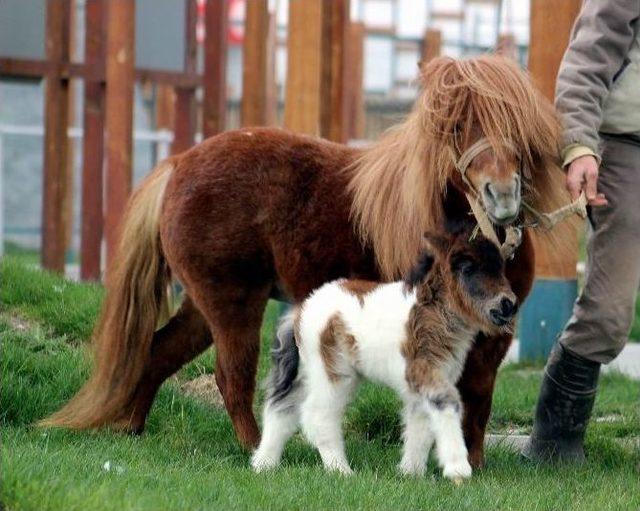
{"x":457,"y":471}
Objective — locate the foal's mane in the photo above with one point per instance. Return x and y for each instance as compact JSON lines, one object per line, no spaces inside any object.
{"x":399,"y":183}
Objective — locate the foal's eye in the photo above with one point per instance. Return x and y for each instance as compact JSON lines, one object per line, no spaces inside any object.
{"x":465,"y":266}
{"x":468,"y":268}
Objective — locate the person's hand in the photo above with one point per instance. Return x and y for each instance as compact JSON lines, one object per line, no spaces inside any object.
{"x":582,"y":174}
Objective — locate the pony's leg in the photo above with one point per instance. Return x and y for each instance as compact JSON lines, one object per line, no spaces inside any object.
{"x":184,"y":337}
{"x":444,"y":409}
{"x":280,"y":421}
{"x":235,"y":315}
{"x":476,"y":389}
{"x":321,"y":416}
{"x":236,"y":365}
{"x":418,"y":438}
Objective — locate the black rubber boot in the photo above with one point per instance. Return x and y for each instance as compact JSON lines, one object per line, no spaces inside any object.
{"x":564,"y":406}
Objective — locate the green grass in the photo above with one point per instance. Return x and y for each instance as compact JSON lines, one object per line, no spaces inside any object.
{"x":188,"y":457}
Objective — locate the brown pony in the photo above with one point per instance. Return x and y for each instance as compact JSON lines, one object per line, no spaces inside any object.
{"x":259,"y":213}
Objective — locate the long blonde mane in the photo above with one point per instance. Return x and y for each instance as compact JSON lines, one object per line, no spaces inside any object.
{"x":398,"y":184}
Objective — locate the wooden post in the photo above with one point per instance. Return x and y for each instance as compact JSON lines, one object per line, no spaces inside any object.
{"x":185,"y":97}
{"x":549,"y":305}
{"x":302,"y":93}
{"x":55,"y":181}
{"x":272,"y":86}
{"x":71,"y":118}
{"x":315,"y":98}
{"x":215,"y":62}
{"x":507,"y":46}
{"x":335,"y":26}
{"x":93,"y":145}
{"x":255,"y":60}
{"x":551,"y":24}
{"x":354,"y":82}
{"x":119,"y":114}
{"x":431,"y":45}
{"x":164,"y":106}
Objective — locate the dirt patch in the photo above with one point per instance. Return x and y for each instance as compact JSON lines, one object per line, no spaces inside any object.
{"x":17,"y":322}
{"x":204,"y":388}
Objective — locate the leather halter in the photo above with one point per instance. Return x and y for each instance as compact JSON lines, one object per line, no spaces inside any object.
{"x":513,"y":235}
{"x":484,"y":223}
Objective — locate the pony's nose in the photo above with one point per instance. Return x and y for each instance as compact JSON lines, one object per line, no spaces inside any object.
{"x":502,"y":200}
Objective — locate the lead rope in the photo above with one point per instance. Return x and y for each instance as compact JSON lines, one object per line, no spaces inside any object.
{"x":548,"y":221}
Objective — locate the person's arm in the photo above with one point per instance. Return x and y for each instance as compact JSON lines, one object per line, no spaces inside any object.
{"x":602,"y":36}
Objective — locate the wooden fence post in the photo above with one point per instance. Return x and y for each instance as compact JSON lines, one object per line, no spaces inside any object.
{"x":119,"y":114}
{"x":184,"y":130}
{"x":355,"y":115}
{"x":255,"y":61}
{"x":335,"y":33}
{"x":93,"y":145}
{"x":55,"y":180}
{"x":215,"y":63}
{"x":315,"y":98}
{"x":550,"y":303}
{"x":302,"y":93}
{"x":507,"y":46}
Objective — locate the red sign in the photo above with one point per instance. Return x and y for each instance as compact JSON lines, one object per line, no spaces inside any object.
{"x":236,"y":21}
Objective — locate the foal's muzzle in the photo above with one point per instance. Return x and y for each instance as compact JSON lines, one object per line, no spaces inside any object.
{"x":504,"y":310}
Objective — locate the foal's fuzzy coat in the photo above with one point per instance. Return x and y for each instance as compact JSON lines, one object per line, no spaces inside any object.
{"x":413,"y":336}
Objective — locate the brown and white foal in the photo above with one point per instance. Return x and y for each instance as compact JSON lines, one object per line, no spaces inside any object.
{"x":411,"y":335}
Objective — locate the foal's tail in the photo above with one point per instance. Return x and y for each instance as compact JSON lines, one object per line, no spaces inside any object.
{"x":283,"y":378}
{"x":136,"y":297}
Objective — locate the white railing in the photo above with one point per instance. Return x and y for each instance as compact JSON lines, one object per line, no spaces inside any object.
{"x":161,"y":138}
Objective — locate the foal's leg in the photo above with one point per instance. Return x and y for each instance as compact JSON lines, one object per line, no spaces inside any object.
{"x":321,"y":415}
{"x":444,"y":409}
{"x":418,"y":439}
{"x":183,"y":338}
{"x":280,"y":421}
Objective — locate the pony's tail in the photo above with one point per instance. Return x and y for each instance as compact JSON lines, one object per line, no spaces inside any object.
{"x":137,"y":297}
{"x":283,"y":378}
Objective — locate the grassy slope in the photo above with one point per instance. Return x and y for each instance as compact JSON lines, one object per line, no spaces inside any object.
{"x":188,"y":458}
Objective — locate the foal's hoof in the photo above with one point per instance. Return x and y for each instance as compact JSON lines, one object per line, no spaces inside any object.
{"x":411,"y":469}
{"x":261,"y":463}
{"x":341,"y":469}
{"x":457,"y":471}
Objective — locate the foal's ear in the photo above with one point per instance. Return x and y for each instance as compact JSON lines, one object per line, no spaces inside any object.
{"x":436,"y":244}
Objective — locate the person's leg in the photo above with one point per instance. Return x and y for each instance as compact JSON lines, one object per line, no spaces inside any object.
{"x":602,"y":315}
